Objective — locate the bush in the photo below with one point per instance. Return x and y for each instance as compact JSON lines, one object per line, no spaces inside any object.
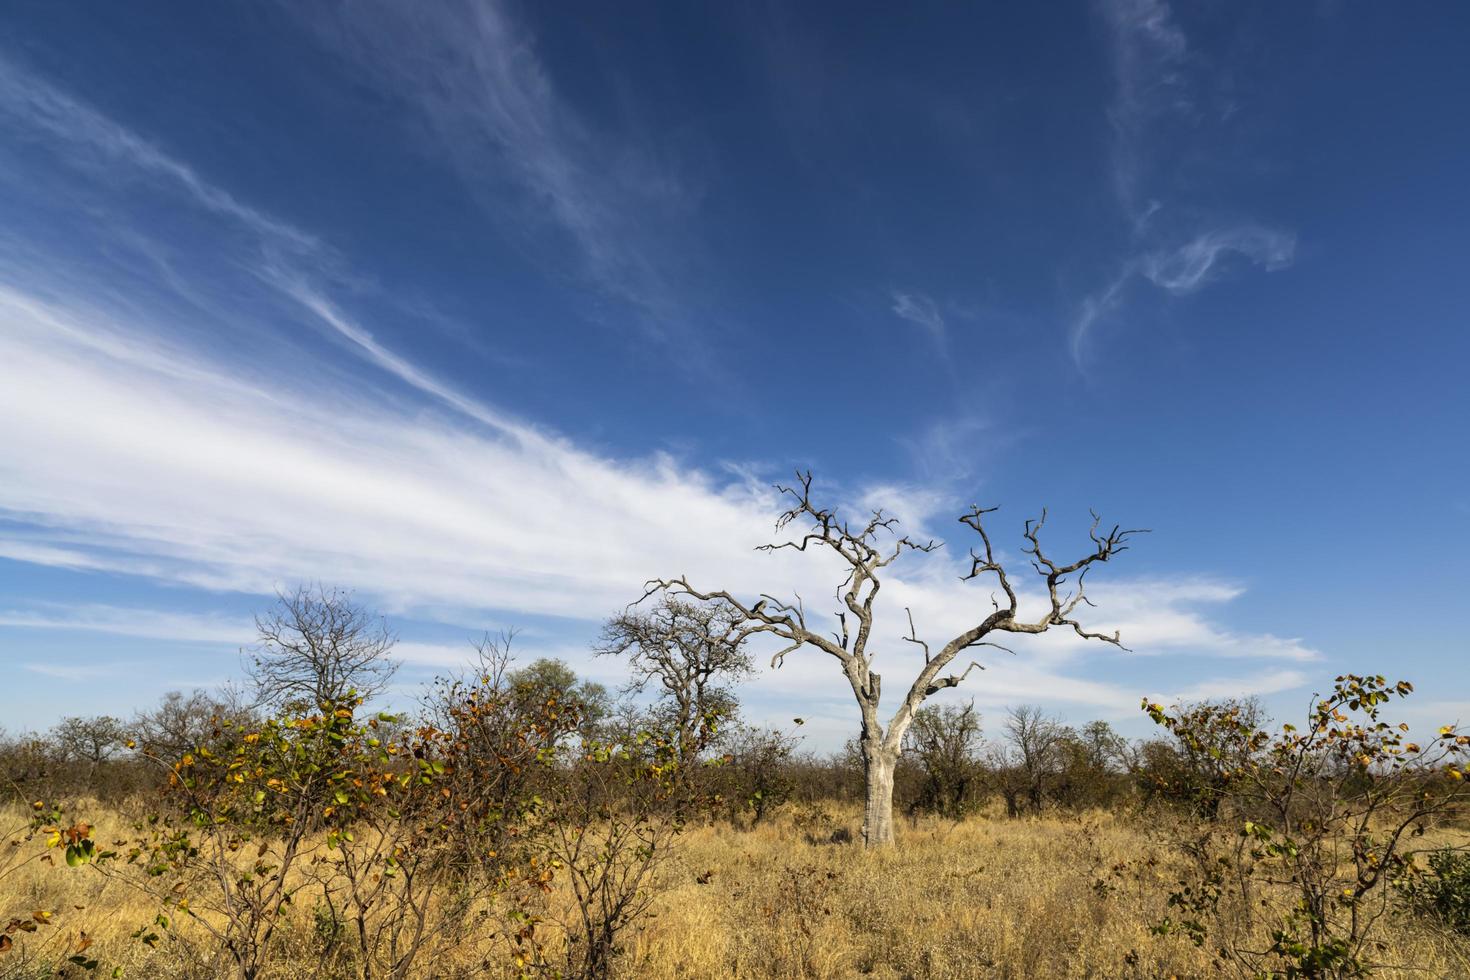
{"x":1306,"y":826}
{"x":1444,"y":892}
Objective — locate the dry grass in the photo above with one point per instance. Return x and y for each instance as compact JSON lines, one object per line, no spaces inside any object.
{"x":984,"y":898}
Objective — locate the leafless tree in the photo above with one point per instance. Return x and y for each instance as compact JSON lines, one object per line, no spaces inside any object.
{"x":865,"y":552}
{"x":89,"y":740}
{"x":315,"y":647}
{"x":1034,"y":750}
{"x":691,"y":651}
{"x":183,"y":722}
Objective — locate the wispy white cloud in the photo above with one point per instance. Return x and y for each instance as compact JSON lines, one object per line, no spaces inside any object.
{"x":1183,"y":269}
{"x":208,"y":484}
{"x":439,"y":655}
{"x":181,"y":470}
{"x":293,"y":262}
{"x":1095,"y":308}
{"x":1186,"y":268}
{"x":1148,"y":52}
{"x":1171,"y":247}
{"x":1155,"y":617}
{"x":954,"y":448}
{"x":65,"y":672}
{"x":919,"y":310}
{"x":366,"y":346}
{"x":473,"y":78}
{"x":40,"y":554}
{"x":100,"y":142}
{"x":124,"y":621}
{"x":1267,"y":682}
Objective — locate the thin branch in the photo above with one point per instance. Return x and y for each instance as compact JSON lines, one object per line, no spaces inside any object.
{"x":913,"y":635}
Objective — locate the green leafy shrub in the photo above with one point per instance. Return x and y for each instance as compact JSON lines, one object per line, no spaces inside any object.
{"x":1443,"y":893}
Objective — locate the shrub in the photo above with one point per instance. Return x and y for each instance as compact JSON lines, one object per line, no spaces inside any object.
{"x":1307,"y":827}
{"x":1443,"y":893}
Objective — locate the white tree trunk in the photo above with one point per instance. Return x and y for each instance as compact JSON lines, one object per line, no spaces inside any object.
{"x":878,"y":766}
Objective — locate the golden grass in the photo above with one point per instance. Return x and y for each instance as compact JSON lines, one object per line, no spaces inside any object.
{"x":987,"y":897}
{"x":984,"y":898}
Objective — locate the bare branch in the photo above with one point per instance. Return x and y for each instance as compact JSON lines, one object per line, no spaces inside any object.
{"x":953,"y":680}
{"x":913,"y":635}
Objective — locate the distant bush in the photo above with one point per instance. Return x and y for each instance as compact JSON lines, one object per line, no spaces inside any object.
{"x":1443,"y":893}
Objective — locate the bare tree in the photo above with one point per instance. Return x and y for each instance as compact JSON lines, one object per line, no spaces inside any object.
{"x":318,"y":646}
{"x":691,"y":651}
{"x":866,"y":555}
{"x":90,"y":740}
{"x":183,"y":722}
{"x":1036,"y":741}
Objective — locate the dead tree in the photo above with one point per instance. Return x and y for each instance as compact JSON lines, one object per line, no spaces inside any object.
{"x":866,"y":554}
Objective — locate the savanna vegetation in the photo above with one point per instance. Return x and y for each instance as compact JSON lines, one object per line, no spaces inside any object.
{"x":519,"y":821}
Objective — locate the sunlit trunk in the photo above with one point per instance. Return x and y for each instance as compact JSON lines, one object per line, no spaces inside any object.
{"x":878,"y":766}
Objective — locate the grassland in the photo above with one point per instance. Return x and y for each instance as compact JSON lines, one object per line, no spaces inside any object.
{"x":1054,"y":897}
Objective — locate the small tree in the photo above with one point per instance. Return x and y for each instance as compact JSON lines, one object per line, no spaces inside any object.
{"x":865,"y":554}
{"x":534,"y":808}
{"x":387,"y":849}
{"x":183,"y":722}
{"x":261,"y":810}
{"x":1088,"y":773}
{"x":317,"y":647}
{"x":606,"y":833}
{"x":1208,"y":752}
{"x":756,"y":771}
{"x":501,"y":742}
{"x":945,"y":739}
{"x":691,"y":652}
{"x":1035,"y":751}
{"x":89,"y":740}
{"x":550,"y":678}
{"x":240,"y":813}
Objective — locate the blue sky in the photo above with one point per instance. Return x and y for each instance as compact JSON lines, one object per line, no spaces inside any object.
{"x":493,"y":311}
